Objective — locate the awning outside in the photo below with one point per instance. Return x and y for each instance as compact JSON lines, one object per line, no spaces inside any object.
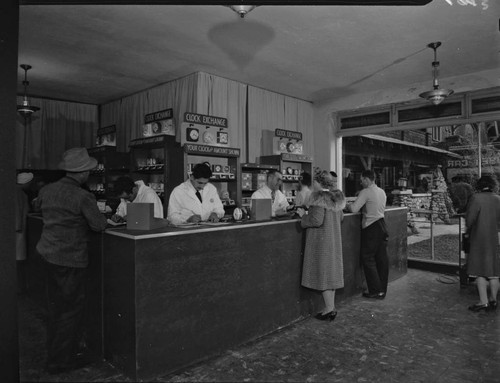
{"x":401,"y":142}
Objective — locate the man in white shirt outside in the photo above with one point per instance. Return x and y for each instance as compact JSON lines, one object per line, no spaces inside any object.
{"x":195,"y":199}
{"x":130,"y":191}
{"x":371,"y":201}
{"x":271,"y":191}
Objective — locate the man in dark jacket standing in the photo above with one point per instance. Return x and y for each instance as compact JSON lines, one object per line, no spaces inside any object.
{"x":68,"y":211}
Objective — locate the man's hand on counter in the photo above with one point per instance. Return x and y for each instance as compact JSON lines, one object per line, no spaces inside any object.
{"x":213,"y":218}
{"x":117,"y":218}
{"x":195,"y":218}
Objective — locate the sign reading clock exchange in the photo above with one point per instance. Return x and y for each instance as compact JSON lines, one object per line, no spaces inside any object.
{"x":205,"y":130}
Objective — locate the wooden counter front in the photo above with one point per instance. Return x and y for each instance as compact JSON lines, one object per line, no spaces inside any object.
{"x":174,"y":297}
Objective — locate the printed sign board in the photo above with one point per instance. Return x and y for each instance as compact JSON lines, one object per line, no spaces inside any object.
{"x":204,"y":130}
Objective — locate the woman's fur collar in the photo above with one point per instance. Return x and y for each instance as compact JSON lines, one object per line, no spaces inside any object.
{"x":329,"y":200}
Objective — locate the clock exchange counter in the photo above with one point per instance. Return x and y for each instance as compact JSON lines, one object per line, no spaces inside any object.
{"x":172,"y":297}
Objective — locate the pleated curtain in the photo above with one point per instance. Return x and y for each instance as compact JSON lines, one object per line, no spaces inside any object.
{"x":57,"y":126}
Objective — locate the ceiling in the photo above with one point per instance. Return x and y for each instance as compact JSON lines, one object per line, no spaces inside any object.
{"x":99,"y":53}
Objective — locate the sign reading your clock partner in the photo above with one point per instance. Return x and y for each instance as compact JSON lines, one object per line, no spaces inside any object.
{"x":205,"y":130}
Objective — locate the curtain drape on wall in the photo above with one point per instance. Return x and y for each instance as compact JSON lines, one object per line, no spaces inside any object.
{"x":268,"y":111}
{"x":221,"y":97}
{"x":56,"y":127}
{"x":128,"y":113}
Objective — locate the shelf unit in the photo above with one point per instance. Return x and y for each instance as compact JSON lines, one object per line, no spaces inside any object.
{"x":250,"y":180}
{"x":225,"y":164}
{"x":156,"y":160}
{"x":291,"y":166}
{"x":110,"y":165}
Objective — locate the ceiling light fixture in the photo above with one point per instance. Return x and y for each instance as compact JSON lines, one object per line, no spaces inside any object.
{"x":242,"y":10}
{"x":26,"y":109}
{"x":436,"y":96}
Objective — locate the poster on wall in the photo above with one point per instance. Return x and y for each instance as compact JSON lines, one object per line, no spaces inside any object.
{"x":287,"y":141}
{"x":161,"y":122}
{"x":106,"y":136}
{"x":203,"y":129}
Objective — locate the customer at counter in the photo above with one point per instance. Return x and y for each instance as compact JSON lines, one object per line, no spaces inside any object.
{"x":305,"y":191}
{"x":68,"y":212}
{"x":195,"y":199}
{"x":323,"y":267}
{"x":130,"y":191}
{"x":371,"y":201}
{"x":271,"y":191}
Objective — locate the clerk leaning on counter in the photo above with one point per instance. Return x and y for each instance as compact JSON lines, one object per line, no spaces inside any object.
{"x":130,"y":191}
{"x":195,"y":199}
{"x":271,"y":191}
{"x":69,"y":212}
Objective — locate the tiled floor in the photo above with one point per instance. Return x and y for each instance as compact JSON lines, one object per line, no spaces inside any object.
{"x":422,"y":332}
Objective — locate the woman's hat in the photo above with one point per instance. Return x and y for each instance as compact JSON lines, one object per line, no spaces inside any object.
{"x":24,"y":178}
{"x":77,"y":160}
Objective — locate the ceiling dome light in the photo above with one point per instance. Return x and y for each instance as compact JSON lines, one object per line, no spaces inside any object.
{"x":25,"y":109}
{"x":436,"y":96}
{"x":242,"y":10}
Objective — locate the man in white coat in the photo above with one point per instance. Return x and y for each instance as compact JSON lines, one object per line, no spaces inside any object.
{"x":130,"y":191}
{"x":195,"y":199}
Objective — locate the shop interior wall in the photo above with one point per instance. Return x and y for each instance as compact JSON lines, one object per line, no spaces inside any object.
{"x":324,"y":112}
{"x":252,"y":112}
{"x":56,"y":127}
{"x":253,"y":115}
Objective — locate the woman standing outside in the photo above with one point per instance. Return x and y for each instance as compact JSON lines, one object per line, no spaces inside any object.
{"x":483,"y":221}
{"x":323,"y":267}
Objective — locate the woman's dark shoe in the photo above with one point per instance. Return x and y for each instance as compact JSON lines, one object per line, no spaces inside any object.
{"x":328,"y":316}
{"x":493,"y":305}
{"x":479,"y":307}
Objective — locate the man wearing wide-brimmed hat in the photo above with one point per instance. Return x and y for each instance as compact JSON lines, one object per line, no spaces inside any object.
{"x":68,"y":212}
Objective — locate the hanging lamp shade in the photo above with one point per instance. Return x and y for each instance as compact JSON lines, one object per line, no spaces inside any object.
{"x":242,"y":10}
{"x":436,"y":95}
{"x":25,"y":109}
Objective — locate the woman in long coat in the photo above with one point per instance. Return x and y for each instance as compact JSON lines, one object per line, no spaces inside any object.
{"x":323,"y":267}
{"x":482,"y":219}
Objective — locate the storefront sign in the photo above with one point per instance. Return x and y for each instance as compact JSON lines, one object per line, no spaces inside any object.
{"x":469,"y":162}
{"x":106,"y":136}
{"x":161,"y":122}
{"x":205,"y":149}
{"x":157,"y":116}
{"x":287,"y":141}
{"x":206,"y":130}
{"x":202,"y":119}
{"x":288,"y":134}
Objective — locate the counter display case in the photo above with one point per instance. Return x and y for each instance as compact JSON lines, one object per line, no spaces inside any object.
{"x":225,"y":165}
{"x":110,"y":165}
{"x":291,"y":166}
{"x":157,"y":161}
{"x":253,"y":175}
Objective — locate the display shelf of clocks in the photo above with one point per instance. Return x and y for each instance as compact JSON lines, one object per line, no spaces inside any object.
{"x":110,"y":165}
{"x":156,"y":161}
{"x":253,"y":176}
{"x":291,"y":166}
{"x":226,"y":173}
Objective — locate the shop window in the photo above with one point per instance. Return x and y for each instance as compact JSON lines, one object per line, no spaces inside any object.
{"x":436,"y":134}
{"x":492,"y":131}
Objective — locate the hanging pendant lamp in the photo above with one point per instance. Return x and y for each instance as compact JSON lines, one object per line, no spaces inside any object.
{"x":242,"y":10}
{"x":26,"y":109}
{"x":436,"y":96}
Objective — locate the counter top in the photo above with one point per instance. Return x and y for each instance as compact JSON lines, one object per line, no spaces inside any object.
{"x":204,"y":227}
